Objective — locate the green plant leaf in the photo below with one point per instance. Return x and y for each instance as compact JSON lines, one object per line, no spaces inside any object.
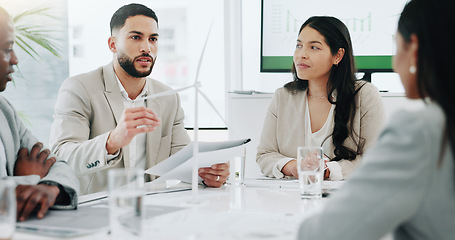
{"x":24,"y":45}
{"x":31,"y":12}
{"x":28,"y":34}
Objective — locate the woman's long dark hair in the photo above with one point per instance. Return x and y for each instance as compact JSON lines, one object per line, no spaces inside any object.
{"x":433,"y":23}
{"x":342,"y":79}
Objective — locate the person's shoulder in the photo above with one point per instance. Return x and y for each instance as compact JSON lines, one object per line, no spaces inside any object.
{"x":420,"y":130}
{"x":281,"y":90}
{"x":89,"y":81}
{"x":431,"y":114}
{"x":7,"y":109}
{"x":284,"y":93}
{"x":365,"y":88}
{"x":367,"y":92}
{"x":5,"y":105}
{"x":3,"y":100}
{"x":87,"y":76}
{"x":158,"y":86}
{"x":431,"y":117}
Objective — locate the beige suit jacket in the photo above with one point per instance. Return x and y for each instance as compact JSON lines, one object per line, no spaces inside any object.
{"x":284,"y":130}
{"x":89,"y":106}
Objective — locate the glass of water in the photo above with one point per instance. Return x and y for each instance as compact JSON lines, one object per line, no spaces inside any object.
{"x":126,"y":203}
{"x":7,"y":208}
{"x":310,"y":168}
{"x":237,"y":168}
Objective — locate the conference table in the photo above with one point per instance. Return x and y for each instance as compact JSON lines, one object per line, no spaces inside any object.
{"x":257,"y":210}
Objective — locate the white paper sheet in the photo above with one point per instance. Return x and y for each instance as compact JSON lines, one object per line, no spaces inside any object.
{"x":180,"y":165}
{"x":288,"y":183}
{"x":68,"y":223}
{"x":84,"y":220}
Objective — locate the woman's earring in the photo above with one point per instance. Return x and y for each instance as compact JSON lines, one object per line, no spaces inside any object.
{"x":412,"y":69}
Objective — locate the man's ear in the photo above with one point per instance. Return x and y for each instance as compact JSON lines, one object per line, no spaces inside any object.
{"x":112,"y":44}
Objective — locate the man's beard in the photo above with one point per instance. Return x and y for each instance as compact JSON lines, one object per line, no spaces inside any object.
{"x":128,"y":65}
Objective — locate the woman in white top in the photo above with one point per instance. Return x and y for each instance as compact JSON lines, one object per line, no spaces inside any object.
{"x":324,"y":106}
{"x":407,"y":182}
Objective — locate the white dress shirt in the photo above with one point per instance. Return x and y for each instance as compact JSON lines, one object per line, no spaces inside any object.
{"x":317,"y":139}
{"x":137,"y":144}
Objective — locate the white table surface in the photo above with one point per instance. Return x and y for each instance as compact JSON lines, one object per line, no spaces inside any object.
{"x":229,"y":212}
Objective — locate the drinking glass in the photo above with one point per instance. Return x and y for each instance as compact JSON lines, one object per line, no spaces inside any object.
{"x":310,"y":168}
{"x":237,"y":169}
{"x":126,"y":203}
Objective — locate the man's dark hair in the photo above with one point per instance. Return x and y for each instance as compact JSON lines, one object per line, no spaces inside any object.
{"x":130,"y":10}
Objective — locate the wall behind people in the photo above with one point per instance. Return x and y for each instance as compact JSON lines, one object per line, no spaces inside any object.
{"x":253,"y":79}
{"x":82,"y":27}
{"x":37,"y":82}
{"x":183,"y":27}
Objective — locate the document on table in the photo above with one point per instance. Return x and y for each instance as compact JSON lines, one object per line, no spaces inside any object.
{"x":68,"y":223}
{"x":84,"y":220}
{"x":288,"y":183}
{"x":180,"y":165}
{"x":151,"y":188}
{"x":272,"y":182}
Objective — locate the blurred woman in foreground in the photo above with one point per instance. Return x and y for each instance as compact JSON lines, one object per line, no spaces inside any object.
{"x":406,"y":183}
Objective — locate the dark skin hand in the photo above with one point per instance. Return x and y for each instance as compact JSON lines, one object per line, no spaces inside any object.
{"x":210,"y":175}
{"x":34,"y":197}
{"x":33,"y":163}
{"x":31,"y":197}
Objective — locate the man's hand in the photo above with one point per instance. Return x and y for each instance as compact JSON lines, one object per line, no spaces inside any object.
{"x":33,"y":163}
{"x":133,"y":122}
{"x":31,"y":197}
{"x":216,"y":175}
{"x":290,"y":169}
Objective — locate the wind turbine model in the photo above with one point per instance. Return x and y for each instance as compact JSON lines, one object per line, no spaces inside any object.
{"x":196,"y":85}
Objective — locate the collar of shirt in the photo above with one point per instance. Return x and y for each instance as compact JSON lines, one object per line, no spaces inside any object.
{"x":125,"y":94}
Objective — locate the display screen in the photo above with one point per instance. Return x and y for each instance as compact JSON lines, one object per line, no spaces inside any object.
{"x":372,"y":26}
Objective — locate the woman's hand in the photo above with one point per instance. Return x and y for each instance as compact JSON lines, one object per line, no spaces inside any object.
{"x":216,"y":175}
{"x":290,"y":169}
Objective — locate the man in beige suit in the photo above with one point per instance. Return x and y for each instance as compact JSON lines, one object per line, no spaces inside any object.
{"x":100,"y":122}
